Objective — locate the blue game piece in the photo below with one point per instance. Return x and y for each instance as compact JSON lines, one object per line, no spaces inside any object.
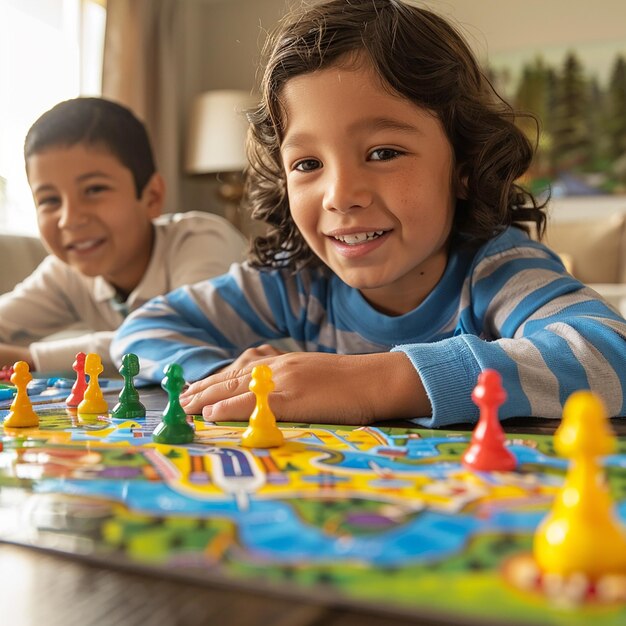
{"x":7,"y":392}
{"x":37,"y":386}
{"x":61,"y":383}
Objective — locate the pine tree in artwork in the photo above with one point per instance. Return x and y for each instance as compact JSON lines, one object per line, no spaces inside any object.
{"x":533,"y":89}
{"x":571,"y":130}
{"x":617,"y":118}
{"x":535,"y":94}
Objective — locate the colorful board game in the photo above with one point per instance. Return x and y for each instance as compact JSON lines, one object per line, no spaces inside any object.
{"x":382,"y":517}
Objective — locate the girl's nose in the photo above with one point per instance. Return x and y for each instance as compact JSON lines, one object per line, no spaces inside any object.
{"x":347,"y":189}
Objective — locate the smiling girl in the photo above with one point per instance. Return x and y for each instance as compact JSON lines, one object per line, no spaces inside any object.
{"x":396,"y":257}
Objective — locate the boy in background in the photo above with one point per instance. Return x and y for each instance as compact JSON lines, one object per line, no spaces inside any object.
{"x":99,"y":200}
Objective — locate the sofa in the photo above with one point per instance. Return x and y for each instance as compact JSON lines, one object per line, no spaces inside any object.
{"x":590,"y":237}
{"x":588,"y":234}
{"x":20,"y":256}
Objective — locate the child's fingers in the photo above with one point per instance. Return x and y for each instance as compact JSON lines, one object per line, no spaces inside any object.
{"x":201,"y":386}
{"x":212,"y":390}
{"x":202,"y":392}
{"x":237,"y":408}
{"x":251,"y":355}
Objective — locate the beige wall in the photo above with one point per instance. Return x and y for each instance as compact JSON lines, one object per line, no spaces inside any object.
{"x":232,"y":31}
{"x":499,"y":26}
{"x":231,"y":34}
{"x":224,"y":39}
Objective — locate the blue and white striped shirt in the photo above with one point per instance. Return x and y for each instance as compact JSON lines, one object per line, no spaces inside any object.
{"x":510,"y":306}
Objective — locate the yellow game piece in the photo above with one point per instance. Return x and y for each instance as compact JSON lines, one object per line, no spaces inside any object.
{"x":21,"y":414}
{"x":262,"y":431}
{"x":93,"y":401}
{"x":582,"y":533}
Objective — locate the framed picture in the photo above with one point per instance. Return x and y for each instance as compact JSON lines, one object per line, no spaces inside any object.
{"x":578,"y":94}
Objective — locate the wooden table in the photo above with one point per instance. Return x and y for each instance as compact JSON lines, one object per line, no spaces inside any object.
{"x":43,"y":588}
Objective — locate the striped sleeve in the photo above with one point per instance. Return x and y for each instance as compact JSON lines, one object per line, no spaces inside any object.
{"x":546,"y":333}
{"x":205,"y":326}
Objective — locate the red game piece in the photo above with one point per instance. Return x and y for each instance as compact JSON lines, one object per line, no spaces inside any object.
{"x":78,"y":389}
{"x":487,"y":450}
{"x":6,"y":372}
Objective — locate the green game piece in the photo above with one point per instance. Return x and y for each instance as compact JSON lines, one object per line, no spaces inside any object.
{"x":174,"y":428}
{"x":129,"y":406}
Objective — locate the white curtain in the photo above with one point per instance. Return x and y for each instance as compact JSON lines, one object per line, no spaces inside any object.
{"x":142,"y":70}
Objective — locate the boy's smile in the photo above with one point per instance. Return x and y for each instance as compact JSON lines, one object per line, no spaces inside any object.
{"x":370,"y":183}
{"x":89,"y":215}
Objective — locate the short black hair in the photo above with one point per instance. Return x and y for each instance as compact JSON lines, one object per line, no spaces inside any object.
{"x":96,"y":122}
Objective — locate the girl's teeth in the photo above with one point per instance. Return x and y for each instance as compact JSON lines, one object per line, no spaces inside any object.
{"x":356,"y":238}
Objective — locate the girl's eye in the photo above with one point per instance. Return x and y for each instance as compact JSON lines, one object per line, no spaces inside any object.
{"x":307,"y":165}
{"x":384,"y":154}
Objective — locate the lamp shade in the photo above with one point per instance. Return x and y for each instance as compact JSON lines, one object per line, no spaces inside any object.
{"x":217,"y":132}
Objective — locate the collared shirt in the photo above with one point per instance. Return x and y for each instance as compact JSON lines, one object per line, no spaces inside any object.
{"x":188,"y":247}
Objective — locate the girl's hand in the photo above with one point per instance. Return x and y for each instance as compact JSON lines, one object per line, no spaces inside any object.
{"x":250,"y":356}
{"x":314,"y":387}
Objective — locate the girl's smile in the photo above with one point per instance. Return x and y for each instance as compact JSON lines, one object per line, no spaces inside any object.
{"x":356,"y":243}
{"x":371,"y":193}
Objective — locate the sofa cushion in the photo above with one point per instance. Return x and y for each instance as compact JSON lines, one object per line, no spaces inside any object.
{"x":597,"y":248}
{"x":20,"y":255}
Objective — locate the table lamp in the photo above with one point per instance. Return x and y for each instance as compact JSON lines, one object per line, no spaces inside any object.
{"x":216,"y":143}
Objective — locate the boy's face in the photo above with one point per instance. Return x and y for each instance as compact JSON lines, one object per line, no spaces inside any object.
{"x":369,"y":180}
{"x":89,"y":215}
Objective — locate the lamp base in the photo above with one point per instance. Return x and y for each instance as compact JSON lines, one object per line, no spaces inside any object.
{"x":230,"y":192}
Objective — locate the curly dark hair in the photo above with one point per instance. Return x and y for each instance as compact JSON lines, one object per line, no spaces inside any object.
{"x":420,"y":56}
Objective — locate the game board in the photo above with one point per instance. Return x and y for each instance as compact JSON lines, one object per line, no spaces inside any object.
{"x":371,"y":516}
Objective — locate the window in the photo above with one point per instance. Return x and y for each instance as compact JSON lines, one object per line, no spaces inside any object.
{"x":50,"y":50}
